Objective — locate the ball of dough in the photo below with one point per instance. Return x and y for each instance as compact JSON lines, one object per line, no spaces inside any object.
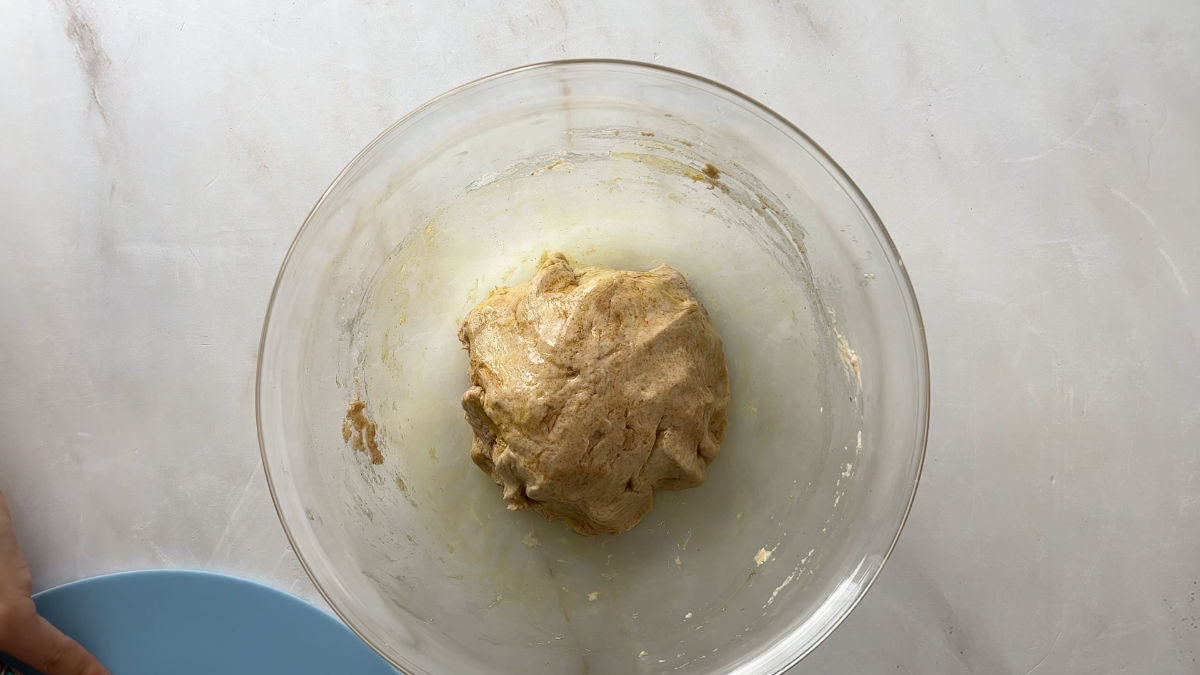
{"x":591,"y":388}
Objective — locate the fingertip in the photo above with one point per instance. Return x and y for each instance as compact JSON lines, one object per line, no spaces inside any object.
{"x":92,"y":666}
{"x":50,"y":651}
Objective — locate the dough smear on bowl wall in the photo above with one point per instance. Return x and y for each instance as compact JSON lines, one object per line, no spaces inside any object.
{"x":592,"y":388}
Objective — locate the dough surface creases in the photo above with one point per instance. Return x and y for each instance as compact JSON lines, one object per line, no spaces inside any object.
{"x":591,"y":388}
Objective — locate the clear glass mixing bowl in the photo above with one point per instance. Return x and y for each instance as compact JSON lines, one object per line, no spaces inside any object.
{"x":624,"y":165}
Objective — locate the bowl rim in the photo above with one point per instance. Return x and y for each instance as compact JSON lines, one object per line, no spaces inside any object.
{"x":819,"y":153}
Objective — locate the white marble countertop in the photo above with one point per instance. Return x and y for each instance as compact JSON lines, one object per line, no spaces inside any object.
{"x":1038,"y":165}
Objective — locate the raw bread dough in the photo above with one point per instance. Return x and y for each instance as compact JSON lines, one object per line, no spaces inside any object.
{"x":592,"y":388}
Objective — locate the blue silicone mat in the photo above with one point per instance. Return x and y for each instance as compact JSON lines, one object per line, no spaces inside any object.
{"x":175,"y":622}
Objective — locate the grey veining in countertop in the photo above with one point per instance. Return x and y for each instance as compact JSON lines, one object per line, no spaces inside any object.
{"x":1038,"y":165}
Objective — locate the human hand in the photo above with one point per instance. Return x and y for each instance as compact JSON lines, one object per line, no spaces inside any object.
{"x":23,"y":634}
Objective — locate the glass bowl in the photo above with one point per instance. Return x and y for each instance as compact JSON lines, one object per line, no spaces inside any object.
{"x":624,"y":165}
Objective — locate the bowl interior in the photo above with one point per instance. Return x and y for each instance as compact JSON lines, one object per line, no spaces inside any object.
{"x":625,"y":166}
